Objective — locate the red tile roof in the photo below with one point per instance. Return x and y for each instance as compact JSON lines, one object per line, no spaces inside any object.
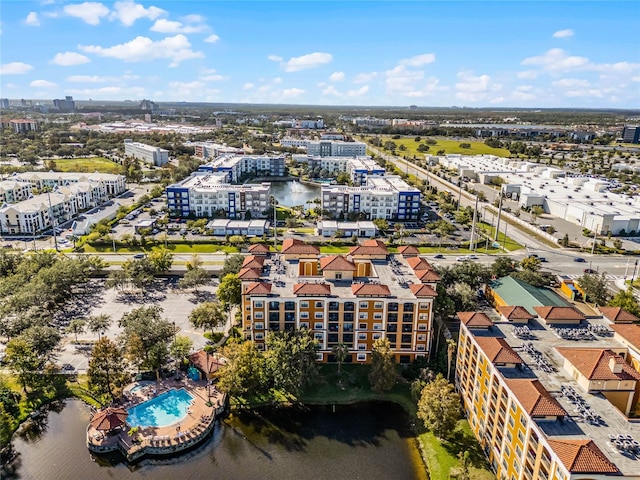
{"x":617,"y":314}
{"x":593,"y":363}
{"x":298,"y":247}
{"x":370,"y":290}
{"x":582,"y":456}
{"x":249,"y":274}
{"x":258,"y":288}
{"x":418,"y":263}
{"x":251,"y":261}
{"x":515,"y":313}
{"x":426,"y":276}
{"x":475,"y":319}
{"x":498,"y":350}
{"x":312,"y":289}
{"x":207,"y":363}
{"x":630,"y":332}
{"x":369,"y":247}
{"x":534,"y":398}
{"x":559,"y":313}
{"x":337,"y":263}
{"x":422,"y":290}
{"x":258,"y":248}
{"x":408,"y":250}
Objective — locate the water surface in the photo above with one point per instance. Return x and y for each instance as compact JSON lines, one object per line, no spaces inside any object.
{"x":369,"y":441}
{"x":290,"y":194}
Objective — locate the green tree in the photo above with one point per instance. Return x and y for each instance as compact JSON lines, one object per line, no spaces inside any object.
{"x":383,"y":375}
{"x":531,"y":277}
{"x":341,"y":351}
{"x":245,"y":371}
{"x":291,"y":360}
{"x":99,"y":323}
{"x":230,"y":290}
{"x":180,"y":348}
{"x":626,"y":300}
{"x":502,"y":266}
{"x":595,"y":288}
{"x":232,"y":264}
{"x":536,"y":211}
{"x":42,"y":339}
{"x":161,"y":259}
{"x":208,"y":315}
{"x":439,"y":407}
{"x":565,"y":240}
{"x":463,"y":217}
{"x":531,"y":263}
{"x":107,"y":368}
{"x":194,"y":278}
{"x":76,"y":326}
{"x":463,"y":296}
{"x":381,"y":224}
{"x":147,"y":336}
{"x":23,"y":361}
{"x":463,"y":470}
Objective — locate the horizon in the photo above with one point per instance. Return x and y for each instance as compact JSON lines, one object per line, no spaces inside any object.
{"x":364,"y":54}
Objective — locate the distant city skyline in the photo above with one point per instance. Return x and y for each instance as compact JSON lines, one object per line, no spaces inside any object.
{"x":477,"y":54}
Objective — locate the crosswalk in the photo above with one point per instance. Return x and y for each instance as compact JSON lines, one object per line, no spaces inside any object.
{"x":608,"y":277}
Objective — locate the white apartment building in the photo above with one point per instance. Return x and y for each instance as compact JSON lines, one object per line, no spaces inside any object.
{"x":114,"y":184}
{"x":208,"y":194}
{"x":12,"y":191}
{"x":238,"y":166}
{"x":387,"y":197}
{"x":335,"y":148}
{"x":584,"y":200}
{"x":358,"y":168}
{"x":212,"y":149}
{"x":147,"y":153}
{"x":295,"y":142}
{"x":37,"y":213}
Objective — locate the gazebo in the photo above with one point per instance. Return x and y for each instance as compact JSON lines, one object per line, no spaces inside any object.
{"x":109,"y":418}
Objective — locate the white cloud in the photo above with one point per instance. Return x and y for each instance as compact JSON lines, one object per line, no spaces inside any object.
{"x":89,"y":12}
{"x":418,"y":60}
{"x":88,"y":79}
{"x":474,"y":88}
{"x":141,"y":49}
{"x":304,"y":62}
{"x":336,"y":76}
{"x":15,"y":68}
{"x":128,"y":12}
{"x":564,"y":33}
{"x":109,"y":92}
{"x":523,"y":93}
{"x":42,"y":84}
{"x":330,"y":90}
{"x":248,"y":86}
{"x":264,"y":88}
{"x":32,"y":20}
{"x":570,"y":83}
{"x":274,"y":58}
{"x":186,"y":85}
{"x":213,"y":38}
{"x":169,"y":26}
{"x":193,"y":18}
{"x":365,"y":77}
{"x":288,"y":93}
{"x":556,"y":60}
{"x":528,"y":74}
{"x":213,"y":78}
{"x":69,"y":59}
{"x":358,"y":92}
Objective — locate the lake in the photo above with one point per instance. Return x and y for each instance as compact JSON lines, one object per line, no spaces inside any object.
{"x":369,"y":441}
{"x":294,"y":193}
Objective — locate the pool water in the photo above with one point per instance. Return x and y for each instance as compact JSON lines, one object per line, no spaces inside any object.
{"x":165,"y":409}
{"x":136,"y":388}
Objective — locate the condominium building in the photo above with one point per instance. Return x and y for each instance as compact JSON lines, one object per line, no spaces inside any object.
{"x":12,"y":191}
{"x":240,"y":166}
{"x":21,"y":125}
{"x":37,"y":213}
{"x":549,"y":397}
{"x":147,"y":153}
{"x":113,"y":184}
{"x":206,"y":194}
{"x":295,"y":142}
{"x":65,"y":105}
{"x":358,"y":168}
{"x":353,"y":299}
{"x":334,"y":148}
{"x":212,"y":149}
{"x":387,"y":197}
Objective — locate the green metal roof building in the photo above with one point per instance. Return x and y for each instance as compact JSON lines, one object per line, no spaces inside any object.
{"x":513,"y":292}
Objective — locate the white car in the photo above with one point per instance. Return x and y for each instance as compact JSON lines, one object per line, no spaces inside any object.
{"x":463,"y":259}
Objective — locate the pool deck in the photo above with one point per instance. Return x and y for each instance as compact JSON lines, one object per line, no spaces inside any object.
{"x":169,"y":439}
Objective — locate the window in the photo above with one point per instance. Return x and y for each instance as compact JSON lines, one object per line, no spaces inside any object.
{"x":392,"y":317}
{"x":274,"y":305}
{"x":363,"y":316}
{"x":289,"y":305}
{"x":378,"y":305}
{"x":258,"y":304}
{"x":334,"y":306}
{"x":319,"y":315}
{"x":364,"y":304}
{"x":422,"y":337}
{"x":304,"y":304}
{"x":259,"y":336}
{"x":259,"y":326}
{"x":304,"y":324}
{"x":362,"y":326}
{"x":338,"y":276}
{"x":347,"y":327}
{"x":420,"y":348}
{"x":424,"y":306}
{"x":349,"y":306}
{"x":304,"y":315}
{"x":319,"y":336}
{"x":377,"y":326}
{"x":408,"y":307}
{"x":362,"y":346}
{"x":405,"y":338}
{"x":391,"y":337}
{"x":377,"y":316}
{"x":392,"y":307}
{"x":362,"y":357}
{"x":376,"y":336}
{"x":362,"y":336}
{"x":318,"y":325}
{"x":392,"y":327}
{"x":332,"y":338}
{"x":258,"y":315}
{"x":407,"y":317}
{"x":319,"y":305}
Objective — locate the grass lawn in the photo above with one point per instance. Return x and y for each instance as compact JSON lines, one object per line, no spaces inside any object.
{"x":88,"y":165}
{"x":442,"y":456}
{"x":174,"y":247}
{"x":449,"y":146}
{"x":334,"y":249}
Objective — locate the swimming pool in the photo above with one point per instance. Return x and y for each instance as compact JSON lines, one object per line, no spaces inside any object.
{"x":136,"y":388}
{"x":165,"y":409}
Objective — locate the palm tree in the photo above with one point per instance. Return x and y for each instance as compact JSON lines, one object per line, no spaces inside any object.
{"x":99,"y":323}
{"x":451,"y":350}
{"x":340,"y":350}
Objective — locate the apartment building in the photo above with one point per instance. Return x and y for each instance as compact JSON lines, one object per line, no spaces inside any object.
{"x":212,"y":149}
{"x":37,"y":213}
{"x":21,"y":125}
{"x":335,"y":148}
{"x":548,"y":399}
{"x":206,"y":194}
{"x":12,"y":191}
{"x":352,"y":299}
{"x":387,"y":197}
{"x":295,"y":142}
{"x":112,"y":184}
{"x":358,"y":168}
{"x":239,"y":166}
{"x":147,"y":153}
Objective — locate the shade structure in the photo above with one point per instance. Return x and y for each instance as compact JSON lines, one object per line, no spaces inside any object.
{"x":109,"y":418}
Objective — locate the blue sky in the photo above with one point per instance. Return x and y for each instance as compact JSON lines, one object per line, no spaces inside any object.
{"x":505,"y":54}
